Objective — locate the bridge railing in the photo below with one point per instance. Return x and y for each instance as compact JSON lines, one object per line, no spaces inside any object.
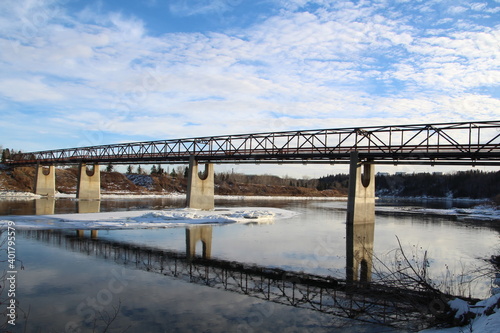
{"x":446,"y":143}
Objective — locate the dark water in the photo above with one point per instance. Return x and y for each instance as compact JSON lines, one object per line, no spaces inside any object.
{"x":78,"y":285}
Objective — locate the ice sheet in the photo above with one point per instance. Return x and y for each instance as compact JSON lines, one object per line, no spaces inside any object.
{"x":145,"y":218}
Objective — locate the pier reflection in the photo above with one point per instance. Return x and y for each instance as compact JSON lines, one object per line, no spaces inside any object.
{"x":197,"y":234}
{"x":81,"y":233}
{"x":88,"y":206}
{"x":377,"y":304}
{"x":45,"y":206}
{"x":359,"y":249}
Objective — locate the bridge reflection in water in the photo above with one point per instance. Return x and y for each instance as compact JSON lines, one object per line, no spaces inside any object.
{"x":47,"y":205}
{"x":359,"y":300}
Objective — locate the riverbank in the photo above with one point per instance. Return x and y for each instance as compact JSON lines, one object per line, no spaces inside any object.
{"x":484,"y":317}
{"x":22,"y":180}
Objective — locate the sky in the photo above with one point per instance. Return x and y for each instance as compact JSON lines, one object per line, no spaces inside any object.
{"x":81,"y":73}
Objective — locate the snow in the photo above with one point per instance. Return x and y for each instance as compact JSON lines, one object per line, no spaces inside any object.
{"x":141,"y":180}
{"x":13,"y":195}
{"x":487,"y":318}
{"x":5,"y":195}
{"x":460,"y":306}
{"x":146,"y":219}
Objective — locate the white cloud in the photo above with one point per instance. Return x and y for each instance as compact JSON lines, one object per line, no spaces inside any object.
{"x":32,"y":90}
{"x":201,"y":7}
{"x":337,"y":66}
{"x":478,"y":6}
{"x":456,"y":62}
{"x":457,"y":10}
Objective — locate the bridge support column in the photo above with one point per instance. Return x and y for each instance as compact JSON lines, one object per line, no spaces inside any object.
{"x":89,"y":184}
{"x":360,"y":224}
{"x":196,"y":234}
{"x":200,"y":189}
{"x":45,"y":181}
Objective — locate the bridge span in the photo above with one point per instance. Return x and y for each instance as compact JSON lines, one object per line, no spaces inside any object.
{"x":468,"y":143}
{"x":461,"y":143}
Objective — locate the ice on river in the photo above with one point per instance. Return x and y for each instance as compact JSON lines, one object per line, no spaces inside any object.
{"x":479,"y":212}
{"x":146,"y":218}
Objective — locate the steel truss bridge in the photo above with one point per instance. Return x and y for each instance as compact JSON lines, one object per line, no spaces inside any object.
{"x":366,"y":302}
{"x":466,"y":143}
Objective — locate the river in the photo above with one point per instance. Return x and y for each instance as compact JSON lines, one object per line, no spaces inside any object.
{"x":65,"y":286}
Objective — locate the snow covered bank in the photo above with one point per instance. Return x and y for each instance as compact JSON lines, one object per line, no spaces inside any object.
{"x":485,"y":316}
{"x":146,"y":219}
{"x":12,"y":195}
{"x":173,"y":195}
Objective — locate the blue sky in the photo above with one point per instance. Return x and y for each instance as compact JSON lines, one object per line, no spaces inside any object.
{"x":80,"y":73}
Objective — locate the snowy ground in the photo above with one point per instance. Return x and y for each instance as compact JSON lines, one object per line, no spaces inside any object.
{"x":487,"y":316}
{"x":12,"y":195}
{"x":145,"y":219}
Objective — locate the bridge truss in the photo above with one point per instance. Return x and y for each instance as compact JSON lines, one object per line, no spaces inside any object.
{"x":467,"y":143}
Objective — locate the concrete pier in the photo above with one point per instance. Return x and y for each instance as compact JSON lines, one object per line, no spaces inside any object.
{"x":360,"y":226}
{"x":89,"y":183}
{"x":196,"y":234}
{"x":200,"y":189}
{"x":45,"y":181}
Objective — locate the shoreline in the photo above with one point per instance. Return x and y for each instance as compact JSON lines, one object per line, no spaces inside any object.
{"x":12,"y":195}
{"x":177,"y":195}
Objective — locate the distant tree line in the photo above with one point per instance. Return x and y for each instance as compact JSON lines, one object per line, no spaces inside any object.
{"x":158,"y":170}
{"x":463,"y":184}
{"x":333,"y":182}
{"x":240,"y":178}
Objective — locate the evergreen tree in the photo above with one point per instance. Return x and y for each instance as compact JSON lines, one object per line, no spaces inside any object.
{"x":154,"y":171}
{"x":160,"y":170}
{"x":110,"y":168}
{"x":130,"y":169}
{"x":5,"y":154}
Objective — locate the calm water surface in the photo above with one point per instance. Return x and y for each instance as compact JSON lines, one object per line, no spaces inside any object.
{"x":68,"y":288}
